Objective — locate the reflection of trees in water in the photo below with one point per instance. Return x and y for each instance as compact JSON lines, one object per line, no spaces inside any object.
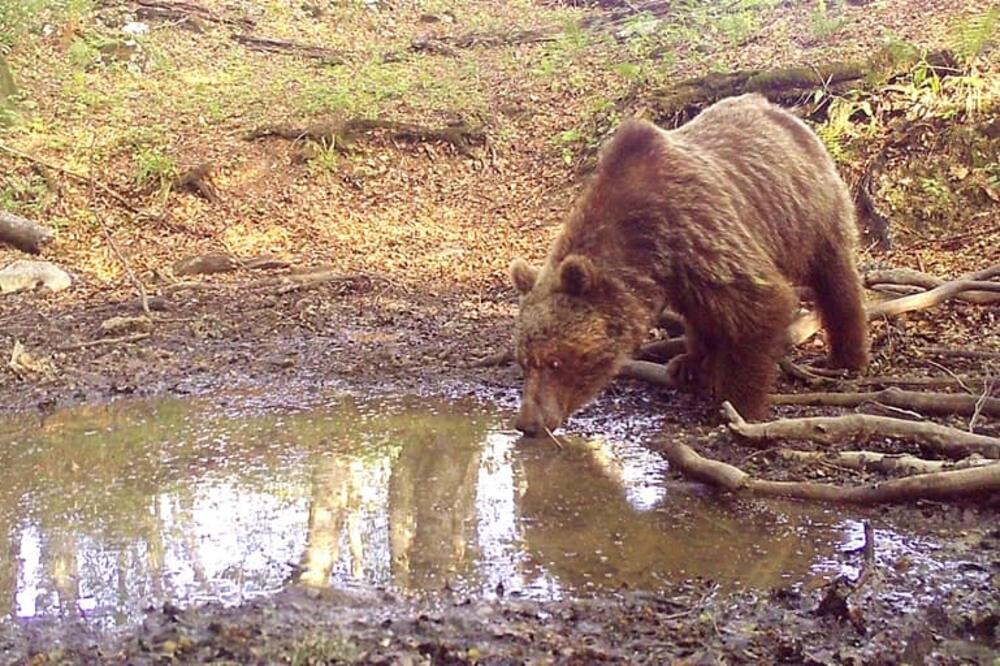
{"x":580,"y":527}
{"x":124,"y":499}
{"x":430,"y":506}
{"x":8,"y":566}
{"x":332,"y":495}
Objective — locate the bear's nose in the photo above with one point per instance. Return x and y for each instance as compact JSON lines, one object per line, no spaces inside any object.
{"x":527,"y":425}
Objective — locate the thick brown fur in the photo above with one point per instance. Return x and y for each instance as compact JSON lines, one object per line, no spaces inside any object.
{"x":718,"y":220}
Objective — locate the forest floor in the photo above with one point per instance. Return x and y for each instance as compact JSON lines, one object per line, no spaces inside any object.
{"x":417,"y":235}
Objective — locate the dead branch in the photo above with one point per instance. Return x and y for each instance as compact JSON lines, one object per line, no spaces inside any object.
{"x":125,"y":339}
{"x":284,"y":283}
{"x":924,"y":403}
{"x":950,"y":442}
{"x":883,"y":462}
{"x":23,"y":234}
{"x":808,"y":325}
{"x":281,"y":46}
{"x":909,"y":277}
{"x":341,"y":136}
{"x":199,"y":180}
{"x":938,"y":485}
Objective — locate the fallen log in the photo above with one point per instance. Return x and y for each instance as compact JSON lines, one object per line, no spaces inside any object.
{"x":942,"y":404}
{"x":938,"y":485}
{"x":949,"y":442}
{"x":23,"y":234}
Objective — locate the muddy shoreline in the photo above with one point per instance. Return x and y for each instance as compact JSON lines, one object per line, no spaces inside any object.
{"x":327,"y":338}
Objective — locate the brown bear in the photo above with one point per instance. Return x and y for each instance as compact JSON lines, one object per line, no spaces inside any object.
{"x":717,"y":220}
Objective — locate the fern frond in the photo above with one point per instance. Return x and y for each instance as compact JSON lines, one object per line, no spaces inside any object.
{"x":971,"y":35}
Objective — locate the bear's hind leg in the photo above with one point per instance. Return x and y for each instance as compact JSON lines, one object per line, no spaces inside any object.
{"x":841,"y":305}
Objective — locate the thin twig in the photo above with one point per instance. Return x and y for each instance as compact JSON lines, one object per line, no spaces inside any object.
{"x":135,"y":337}
{"x":953,"y":375}
{"x":554,"y":439}
{"x":987,"y":390}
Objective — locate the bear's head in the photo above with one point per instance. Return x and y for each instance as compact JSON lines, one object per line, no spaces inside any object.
{"x":571,"y":338}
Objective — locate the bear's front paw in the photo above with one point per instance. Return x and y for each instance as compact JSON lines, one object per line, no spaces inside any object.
{"x":686,"y":371}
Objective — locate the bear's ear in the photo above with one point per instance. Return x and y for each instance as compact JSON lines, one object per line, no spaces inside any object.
{"x":576,"y":275}
{"x":523,"y":275}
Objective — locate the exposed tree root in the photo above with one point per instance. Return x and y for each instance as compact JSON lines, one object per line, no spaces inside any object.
{"x":950,"y":442}
{"x":966,"y":383}
{"x":938,"y":485}
{"x":662,"y":350}
{"x":923,"y":403}
{"x":23,"y":234}
{"x":909,"y":277}
{"x":978,"y":354}
{"x":808,"y":325}
{"x":199,"y":181}
{"x":647,"y":371}
{"x":883,"y":462}
{"x":281,"y":46}
{"x":342,"y":135}
{"x":674,"y":105}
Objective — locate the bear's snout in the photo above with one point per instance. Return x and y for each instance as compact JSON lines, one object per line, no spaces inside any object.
{"x":533,"y":420}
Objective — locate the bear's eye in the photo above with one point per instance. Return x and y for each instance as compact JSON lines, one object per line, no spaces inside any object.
{"x":555,"y":364}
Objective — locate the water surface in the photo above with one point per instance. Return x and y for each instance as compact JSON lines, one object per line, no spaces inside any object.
{"x":106,"y":510}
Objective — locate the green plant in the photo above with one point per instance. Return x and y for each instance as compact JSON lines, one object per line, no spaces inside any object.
{"x":823,"y":23}
{"x":737,"y":27}
{"x":936,"y":190}
{"x":566,"y":141}
{"x":16,"y":18}
{"x":153,"y":167}
{"x":970,"y":36}
{"x":322,"y":156}
{"x":840,"y":126}
{"x":81,"y":52}
{"x":630,"y":71}
{"x":23,"y":194}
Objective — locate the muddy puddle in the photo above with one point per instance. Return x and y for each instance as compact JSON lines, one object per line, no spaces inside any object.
{"x":107,"y":510}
